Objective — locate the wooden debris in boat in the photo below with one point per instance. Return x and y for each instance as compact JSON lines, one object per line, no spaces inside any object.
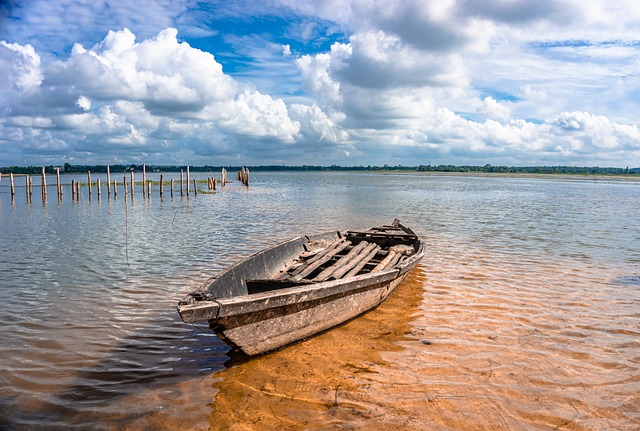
{"x":340,"y":272}
{"x":344,"y":260}
{"x":357,"y":268}
{"x":393,"y":257}
{"x":383,"y":264}
{"x":298,"y":267}
{"x":318,"y":261}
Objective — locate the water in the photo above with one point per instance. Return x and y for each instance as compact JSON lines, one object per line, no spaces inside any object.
{"x":524,"y":314}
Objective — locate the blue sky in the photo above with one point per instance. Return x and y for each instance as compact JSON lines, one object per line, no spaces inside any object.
{"x":347,"y":82}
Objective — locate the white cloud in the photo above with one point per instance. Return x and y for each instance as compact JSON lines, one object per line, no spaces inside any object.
{"x":494,"y":110}
{"x":167,"y":76}
{"x":598,"y":132}
{"x":316,"y":126}
{"x":378,"y":60}
{"x":122,"y":92}
{"x":317,"y":79}
{"x":256,"y":115}
{"x":553,"y":82}
{"x":21,"y":74}
{"x":84,"y":103}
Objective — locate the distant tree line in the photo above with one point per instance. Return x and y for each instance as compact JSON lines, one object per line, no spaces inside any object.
{"x":566,"y":170}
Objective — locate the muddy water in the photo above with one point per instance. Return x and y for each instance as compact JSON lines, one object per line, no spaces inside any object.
{"x":524,"y":315}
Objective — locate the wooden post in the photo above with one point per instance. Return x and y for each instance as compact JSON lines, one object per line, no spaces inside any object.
{"x":44,"y":186}
{"x":89,"y":181}
{"x":161,"y":181}
{"x":132,"y":181}
{"x":181,"y":193}
{"x":13,"y":189}
{"x":187,"y":180}
{"x":144,"y":179}
{"x":195,"y":189}
{"x":171,"y":187}
{"x":59,"y":186}
{"x":26,"y":187}
{"x":243,"y":176}
{"x":115,"y":189}
{"x":109,"y":183}
{"x":73,"y":190}
{"x":124,"y":185}
{"x":98,"y":185}
{"x":78,"y":190}
{"x":30,"y":189}
{"x":149,"y":190}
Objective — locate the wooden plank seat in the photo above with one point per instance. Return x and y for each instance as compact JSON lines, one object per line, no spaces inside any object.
{"x":316,"y":261}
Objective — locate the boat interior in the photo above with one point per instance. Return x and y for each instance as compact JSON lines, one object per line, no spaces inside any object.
{"x":350,"y":254}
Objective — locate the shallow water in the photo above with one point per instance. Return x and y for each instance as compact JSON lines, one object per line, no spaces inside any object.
{"x":523,"y":315}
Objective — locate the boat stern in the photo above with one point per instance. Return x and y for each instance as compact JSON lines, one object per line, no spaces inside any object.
{"x":192,"y":310}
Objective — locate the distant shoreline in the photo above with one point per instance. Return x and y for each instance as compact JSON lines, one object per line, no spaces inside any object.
{"x":569,"y":173}
{"x":568,"y":177}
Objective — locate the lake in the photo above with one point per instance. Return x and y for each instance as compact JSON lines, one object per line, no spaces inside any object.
{"x":524,"y":314}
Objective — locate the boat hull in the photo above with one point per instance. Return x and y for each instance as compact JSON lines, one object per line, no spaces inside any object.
{"x":303,"y":286}
{"x":273,"y":328}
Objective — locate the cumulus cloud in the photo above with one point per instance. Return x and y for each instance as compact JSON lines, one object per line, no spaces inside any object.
{"x":167,"y":76}
{"x":316,"y":126}
{"x":597,"y":132}
{"x":124,"y":93}
{"x":84,"y":103}
{"x":379,"y":60}
{"x":21,"y":72}
{"x":504,"y":81}
{"x":254,"y":114}
{"x":317,"y":79}
{"x":494,"y":110}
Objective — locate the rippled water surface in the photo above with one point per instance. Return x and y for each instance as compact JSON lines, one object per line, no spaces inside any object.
{"x":524,"y":315}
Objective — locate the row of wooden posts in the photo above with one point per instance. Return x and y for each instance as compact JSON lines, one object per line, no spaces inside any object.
{"x":112,"y":189}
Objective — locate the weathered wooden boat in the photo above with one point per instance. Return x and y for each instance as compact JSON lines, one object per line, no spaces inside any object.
{"x":303,"y":286}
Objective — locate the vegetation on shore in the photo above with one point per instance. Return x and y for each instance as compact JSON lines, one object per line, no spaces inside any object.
{"x":561,"y":170}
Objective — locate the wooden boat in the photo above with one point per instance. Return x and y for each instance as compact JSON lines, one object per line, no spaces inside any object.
{"x":303,"y":286}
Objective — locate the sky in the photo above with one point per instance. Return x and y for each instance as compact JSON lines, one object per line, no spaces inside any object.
{"x":320,"y":82}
